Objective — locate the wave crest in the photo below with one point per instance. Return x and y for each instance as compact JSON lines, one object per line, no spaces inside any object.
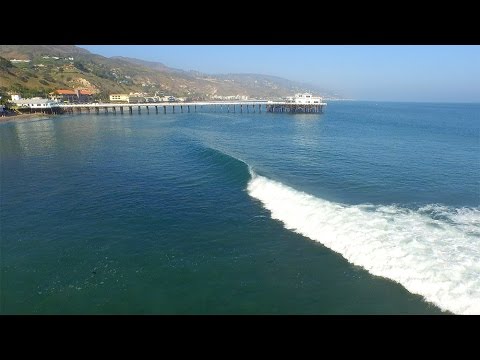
{"x":433,"y":251}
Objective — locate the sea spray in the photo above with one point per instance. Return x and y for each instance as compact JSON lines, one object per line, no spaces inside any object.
{"x":436,"y":258}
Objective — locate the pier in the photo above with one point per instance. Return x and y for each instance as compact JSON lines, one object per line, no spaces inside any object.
{"x":296,"y":108}
{"x":203,"y":106}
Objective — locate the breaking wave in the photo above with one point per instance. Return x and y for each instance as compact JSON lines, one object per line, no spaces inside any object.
{"x":433,"y":251}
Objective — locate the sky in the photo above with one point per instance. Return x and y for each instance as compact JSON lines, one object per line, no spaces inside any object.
{"x":428,"y":73}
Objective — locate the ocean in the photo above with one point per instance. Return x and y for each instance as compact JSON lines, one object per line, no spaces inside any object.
{"x":368,"y":208}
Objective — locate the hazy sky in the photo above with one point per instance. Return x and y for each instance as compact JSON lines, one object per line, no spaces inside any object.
{"x":373,"y":72}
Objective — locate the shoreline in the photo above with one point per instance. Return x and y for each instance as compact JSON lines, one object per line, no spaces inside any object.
{"x":17,"y":117}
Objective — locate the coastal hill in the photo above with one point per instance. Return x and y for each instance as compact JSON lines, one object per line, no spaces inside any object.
{"x":38,"y":69}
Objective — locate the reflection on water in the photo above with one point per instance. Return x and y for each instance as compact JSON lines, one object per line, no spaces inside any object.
{"x":36,"y":138}
{"x":70,"y":133}
{"x":306,"y":129}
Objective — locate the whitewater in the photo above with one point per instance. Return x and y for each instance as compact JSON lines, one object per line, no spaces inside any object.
{"x":433,"y":251}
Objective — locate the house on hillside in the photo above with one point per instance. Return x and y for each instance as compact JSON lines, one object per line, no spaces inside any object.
{"x":130,"y":98}
{"x":119,"y":98}
{"x":76,"y":96}
{"x":167,"y":98}
{"x":136,"y":99}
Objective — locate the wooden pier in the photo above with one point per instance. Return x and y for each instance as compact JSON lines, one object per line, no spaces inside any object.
{"x":238,"y":106}
{"x":296,"y":108}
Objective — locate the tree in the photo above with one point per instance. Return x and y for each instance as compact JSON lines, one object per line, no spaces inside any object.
{"x":5,"y":64}
{"x":102,"y":96}
{"x":80,"y":66}
{"x":4,"y":97}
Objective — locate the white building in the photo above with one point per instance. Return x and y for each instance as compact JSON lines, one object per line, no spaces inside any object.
{"x":305,"y":98}
{"x":167,"y":98}
{"x":119,"y":97}
{"x":15,"y":61}
{"x":230,"y":97}
{"x":36,"y":103}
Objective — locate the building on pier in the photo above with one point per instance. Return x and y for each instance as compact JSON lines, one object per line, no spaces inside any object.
{"x":300,"y":103}
{"x":36,"y":104}
{"x":304,"y":99}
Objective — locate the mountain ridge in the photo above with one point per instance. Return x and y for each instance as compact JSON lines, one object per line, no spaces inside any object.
{"x":48,"y":67}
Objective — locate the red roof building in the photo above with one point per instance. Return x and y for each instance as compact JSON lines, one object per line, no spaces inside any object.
{"x":72,"y":96}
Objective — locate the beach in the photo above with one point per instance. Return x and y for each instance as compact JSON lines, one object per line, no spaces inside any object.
{"x":18,"y":117}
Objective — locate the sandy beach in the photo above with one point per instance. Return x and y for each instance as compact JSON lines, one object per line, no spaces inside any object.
{"x":17,"y":117}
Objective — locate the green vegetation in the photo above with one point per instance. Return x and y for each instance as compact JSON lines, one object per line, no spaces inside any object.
{"x":79,"y":65}
{"x":5,"y":64}
{"x":103,"y":73}
{"x":18,"y":88}
{"x":52,"y":67}
{"x":102,"y":97}
{"x":5,"y":98}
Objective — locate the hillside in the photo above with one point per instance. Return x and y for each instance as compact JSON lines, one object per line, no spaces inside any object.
{"x":67,"y":66}
{"x":150,"y":64}
{"x":24,"y":52}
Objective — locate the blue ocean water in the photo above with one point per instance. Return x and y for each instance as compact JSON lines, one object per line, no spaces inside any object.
{"x":369,"y":208}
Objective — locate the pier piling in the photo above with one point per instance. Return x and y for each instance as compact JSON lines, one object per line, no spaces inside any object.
{"x":304,"y":106}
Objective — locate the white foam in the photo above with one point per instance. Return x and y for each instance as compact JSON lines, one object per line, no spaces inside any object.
{"x":434,"y":251}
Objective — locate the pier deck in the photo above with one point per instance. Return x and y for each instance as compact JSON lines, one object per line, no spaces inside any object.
{"x":228,"y":106}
